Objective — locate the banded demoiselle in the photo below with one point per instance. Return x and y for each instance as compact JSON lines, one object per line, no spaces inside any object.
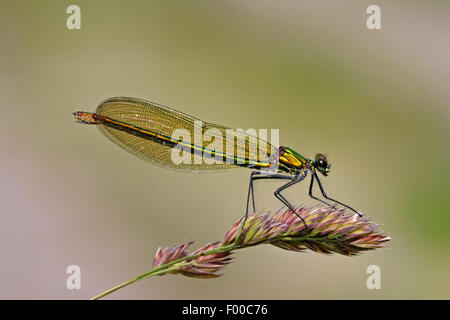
{"x":146,"y":129}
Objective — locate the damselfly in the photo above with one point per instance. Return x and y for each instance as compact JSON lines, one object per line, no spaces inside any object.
{"x":153,"y":132}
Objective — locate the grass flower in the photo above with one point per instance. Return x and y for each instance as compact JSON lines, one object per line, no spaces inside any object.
{"x":328,"y":231}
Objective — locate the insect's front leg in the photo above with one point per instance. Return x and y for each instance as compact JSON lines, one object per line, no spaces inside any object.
{"x":326,"y":197}
{"x":310,"y":191}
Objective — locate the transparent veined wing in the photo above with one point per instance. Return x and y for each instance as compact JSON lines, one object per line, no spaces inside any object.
{"x":216,"y":147}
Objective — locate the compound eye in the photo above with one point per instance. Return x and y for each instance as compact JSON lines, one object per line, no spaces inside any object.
{"x":321,"y":163}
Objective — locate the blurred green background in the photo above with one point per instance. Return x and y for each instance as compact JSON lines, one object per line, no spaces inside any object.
{"x":375,"y":101}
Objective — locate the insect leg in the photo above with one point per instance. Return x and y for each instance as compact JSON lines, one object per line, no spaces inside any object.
{"x":258,"y":175}
{"x":277,"y":194}
{"x":326,"y":197}
{"x":310,"y":191}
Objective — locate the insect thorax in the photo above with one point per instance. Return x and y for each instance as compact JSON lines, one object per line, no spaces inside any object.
{"x":291,"y":162}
